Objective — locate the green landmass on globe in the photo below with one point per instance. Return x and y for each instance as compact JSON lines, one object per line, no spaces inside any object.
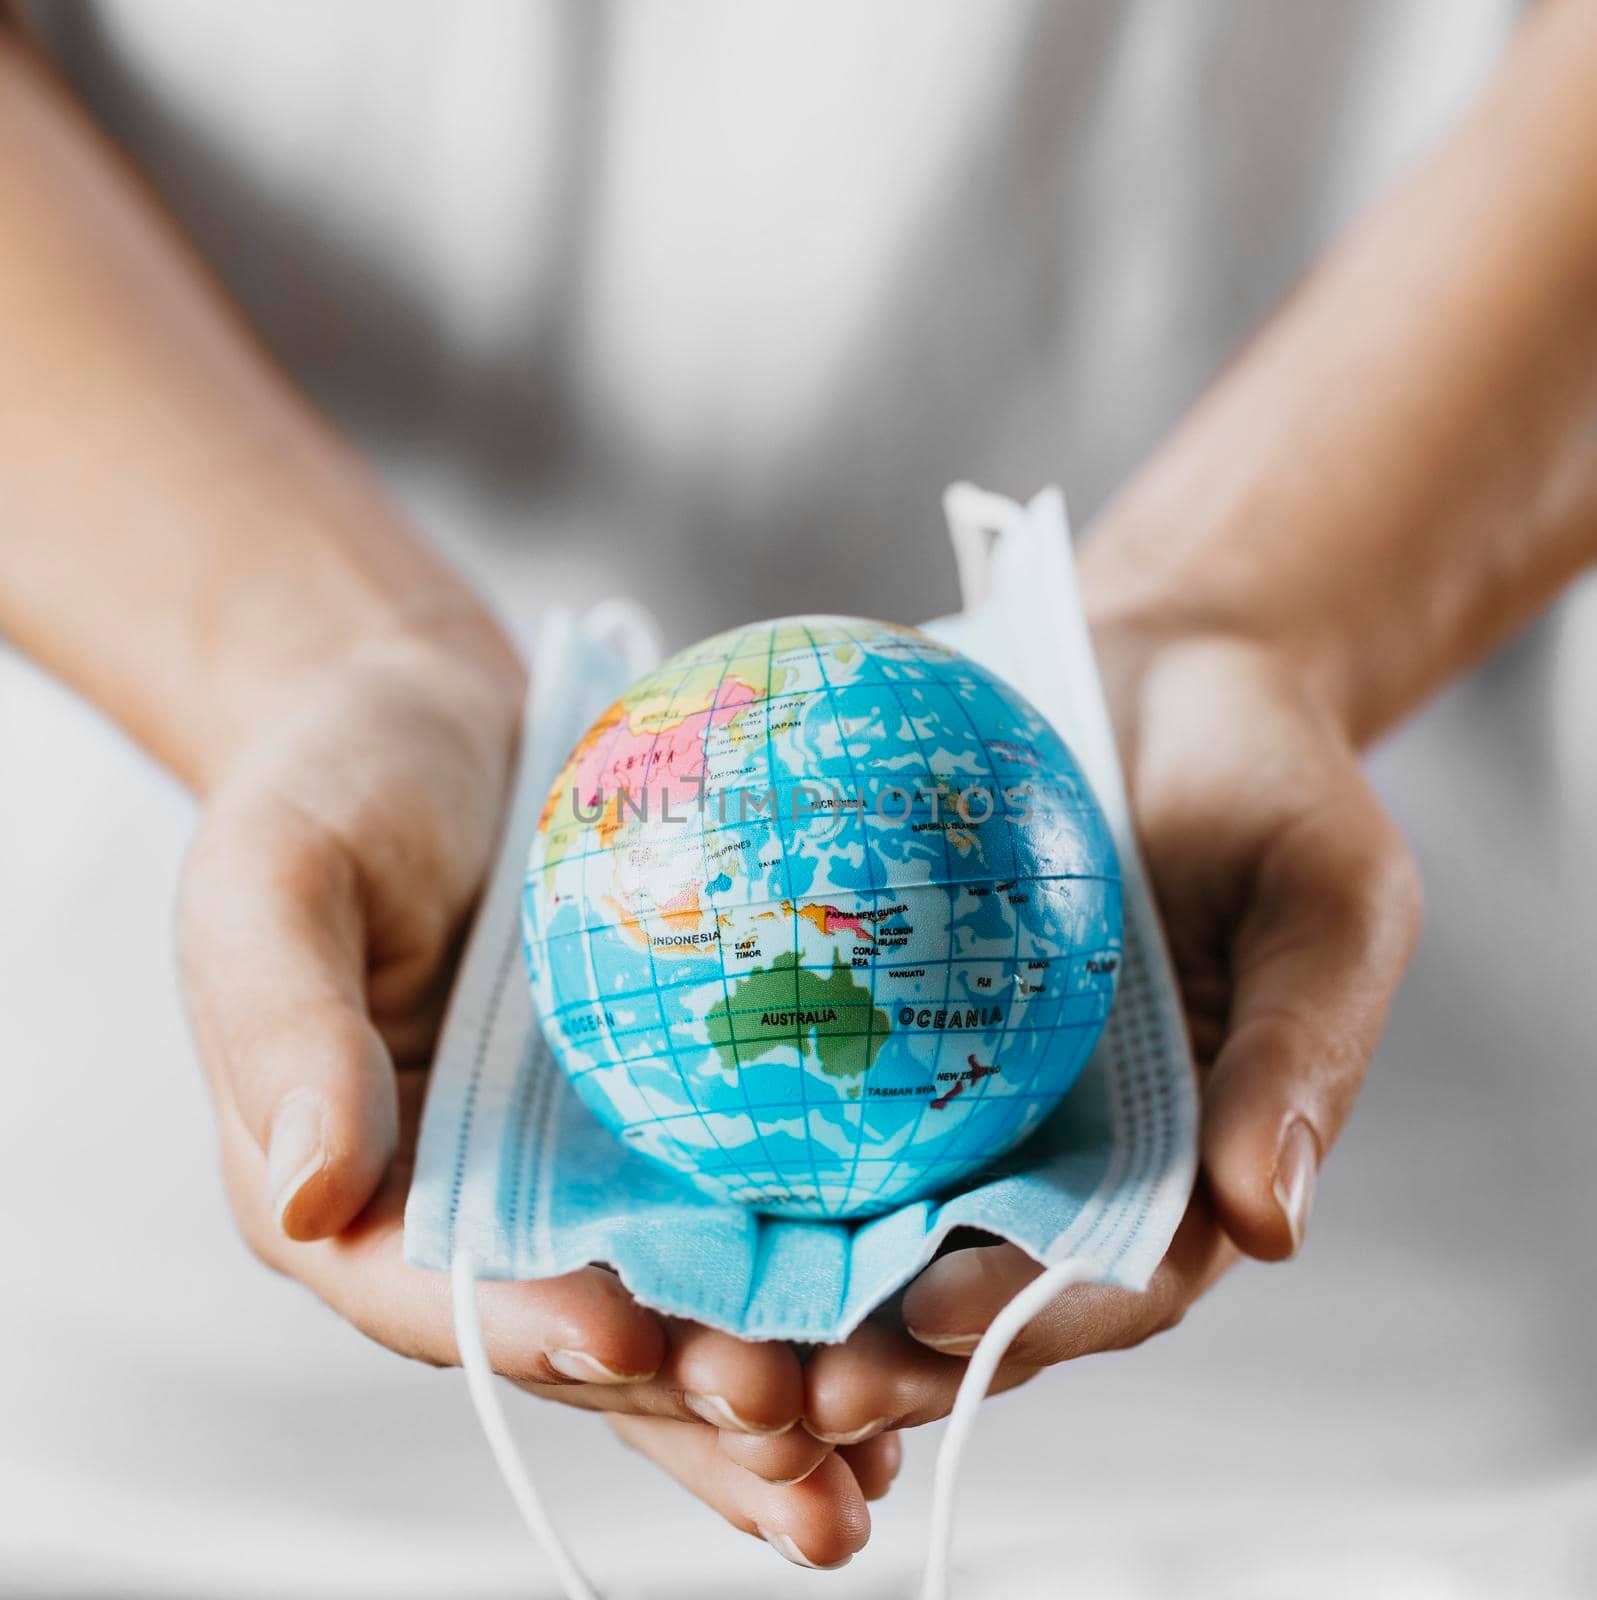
{"x":773,"y":1005}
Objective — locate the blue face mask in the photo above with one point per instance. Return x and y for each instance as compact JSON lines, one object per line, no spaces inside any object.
{"x":515,"y":1179}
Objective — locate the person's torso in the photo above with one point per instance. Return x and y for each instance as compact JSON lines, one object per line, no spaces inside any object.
{"x":715,"y":298}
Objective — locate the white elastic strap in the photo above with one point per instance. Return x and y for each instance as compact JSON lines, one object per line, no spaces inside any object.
{"x":549,"y":645}
{"x":975,"y":517}
{"x":626,"y":626}
{"x":485,"y":1399}
{"x":984,"y":1360}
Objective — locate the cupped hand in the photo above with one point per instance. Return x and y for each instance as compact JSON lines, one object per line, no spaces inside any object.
{"x":320,"y":919}
{"x":1291,"y":905}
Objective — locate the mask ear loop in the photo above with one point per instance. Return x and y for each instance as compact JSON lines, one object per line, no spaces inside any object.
{"x":975,"y":519}
{"x":574,"y":1583}
{"x":628,"y":628}
{"x":973,"y":1387}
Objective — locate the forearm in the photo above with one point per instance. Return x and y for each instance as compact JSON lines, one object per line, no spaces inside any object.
{"x":181,"y":535}
{"x":1403,"y":467}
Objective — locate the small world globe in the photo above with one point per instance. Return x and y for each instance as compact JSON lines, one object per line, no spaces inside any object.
{"x":822,"y":916}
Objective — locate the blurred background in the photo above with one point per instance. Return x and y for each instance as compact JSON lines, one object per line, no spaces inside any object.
{"x":707,"y":303}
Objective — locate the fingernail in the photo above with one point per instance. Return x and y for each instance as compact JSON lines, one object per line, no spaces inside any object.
{"x":1296,"y":1165}
{"x":294,"y":1153}
{"x":583,"y":1368}
{"x":783,"y":1544}
{"x":948,"y":1344}
{"x":858,"y":1436}
{"x":951,"y":1281}
{"x":958,"y":1274}
{"x":714,"y":1410}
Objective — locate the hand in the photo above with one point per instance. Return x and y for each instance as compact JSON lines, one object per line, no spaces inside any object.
{"x":320,"y":919}
{"x":1291,"y":905}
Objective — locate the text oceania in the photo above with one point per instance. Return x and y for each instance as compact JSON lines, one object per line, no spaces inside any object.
{"x":950,"y":1017}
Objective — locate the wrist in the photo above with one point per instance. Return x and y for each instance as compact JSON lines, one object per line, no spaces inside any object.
{"x":1144,"y":592}
{"x":434,"y":634}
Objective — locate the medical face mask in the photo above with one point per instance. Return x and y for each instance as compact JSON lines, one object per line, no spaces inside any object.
{"x":515,"y":1179}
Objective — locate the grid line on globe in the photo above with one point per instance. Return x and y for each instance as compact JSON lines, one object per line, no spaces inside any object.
{"x":720,"y":951}
{"x":832,"y":1008}
{"x":948,"y":972}
{"x":875,"y":887}
{"x":587,"y":937}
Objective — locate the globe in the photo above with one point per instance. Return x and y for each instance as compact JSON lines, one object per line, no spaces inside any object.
{"x":822,"y":916}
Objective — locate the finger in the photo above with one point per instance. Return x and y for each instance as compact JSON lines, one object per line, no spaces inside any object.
{"x":582,"y":1329}
{"x":744,"y":1387}
{"x":272,"y":947}
{"x":706,"y":1376}
{"x":754,"y":1390}
{"x":1330,"y":926}
{"x":875,"y":1464}
{"x":577,"y":1333}
{"x":580,"y":1338}
{"x":579,"y":1330}
{"x":821,"y":1522}
{"x":954,"y":1300}
{"x":879,"y":1378}
{"x":784,"y":1458}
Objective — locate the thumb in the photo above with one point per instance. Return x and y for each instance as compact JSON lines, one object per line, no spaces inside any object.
{"x":1321,"y":947}
{"x":272,"y":945}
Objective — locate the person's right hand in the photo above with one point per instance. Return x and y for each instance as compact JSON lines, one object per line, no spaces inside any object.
{"x":322,"y":910}
{"x":1291,"y":904}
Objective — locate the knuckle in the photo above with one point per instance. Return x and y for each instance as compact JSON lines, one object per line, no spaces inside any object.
{"x":1166,"y":1314}
{"x":1081,"y":1320}
{"x":1398,"y":883}
{"x":1119,"y":1323}
{"x":1169,"y":1317}
{"x":1275,"y":1035}
{"x":201,"y":879}
{"x":309,"y":871}
{"x":245,"y":864}
{"x":1379,"y":896}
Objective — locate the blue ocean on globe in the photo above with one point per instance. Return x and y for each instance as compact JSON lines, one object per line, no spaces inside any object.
{"x":823,"y":916}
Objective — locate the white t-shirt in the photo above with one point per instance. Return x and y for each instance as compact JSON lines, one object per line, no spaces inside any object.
{"x":719,"y":296}
{"x":709,"y":301}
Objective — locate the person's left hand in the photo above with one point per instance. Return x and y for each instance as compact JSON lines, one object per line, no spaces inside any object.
{"x":1291,"y":905}
{"x":322,"y":911}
